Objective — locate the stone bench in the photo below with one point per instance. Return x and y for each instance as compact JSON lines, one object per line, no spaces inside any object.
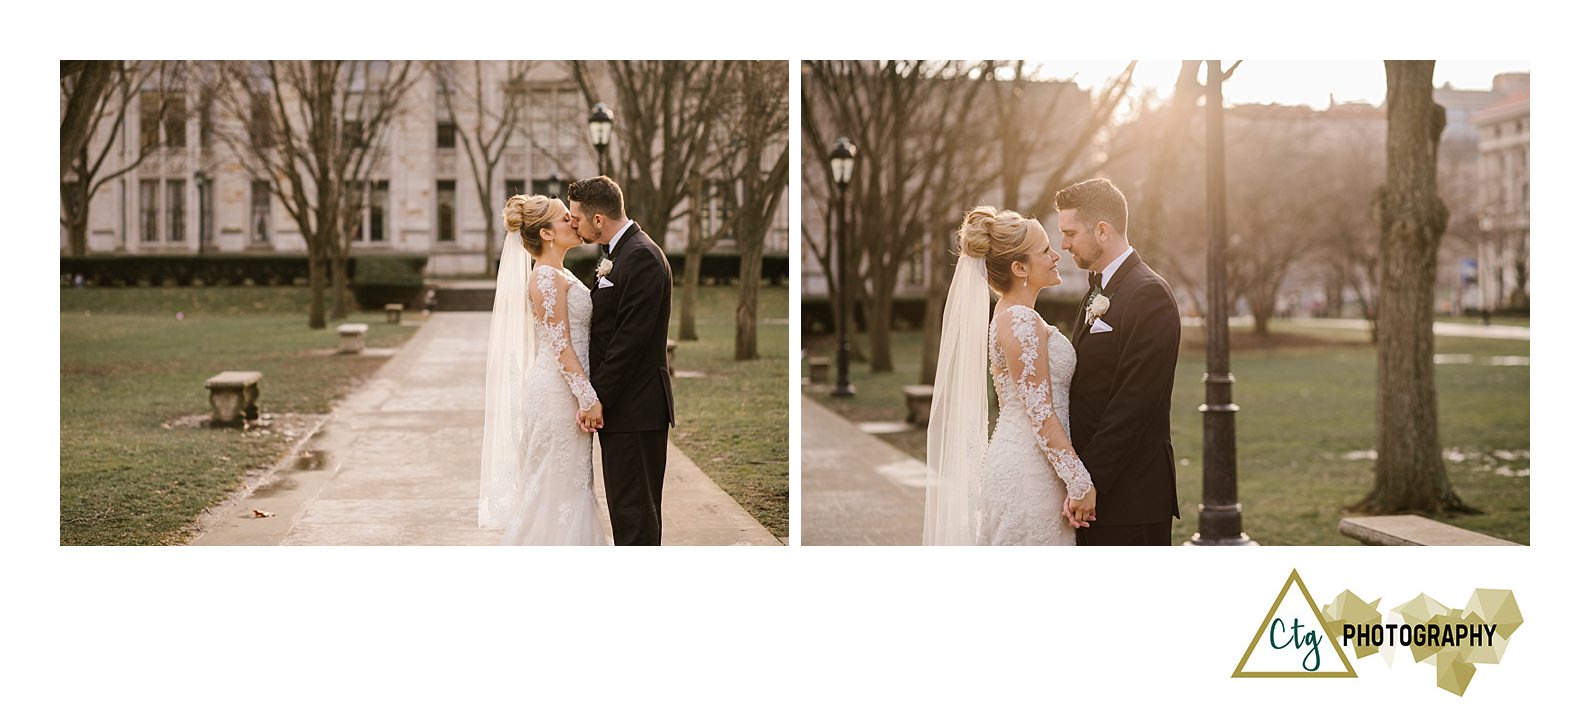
{"x":918,"y":404}
{"x":1414,"y":531}
{"x":818,"y":369}
{"x":234,"y":397}
{"x":394,"y":313}
{"x":352,"y":337}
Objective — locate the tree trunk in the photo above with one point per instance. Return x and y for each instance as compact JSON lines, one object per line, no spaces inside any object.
{"x":339,"y":283}
{"x":694,"y":245}
{"x":938,"y":275}
{"x":1409,"y":473}
{"x":880,"y":310}
{"x":745,"y":313}
{"x":317,"y":287}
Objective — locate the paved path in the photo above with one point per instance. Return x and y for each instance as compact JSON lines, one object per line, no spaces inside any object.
{"x":856,"y":489}
{"x":398,"y":462}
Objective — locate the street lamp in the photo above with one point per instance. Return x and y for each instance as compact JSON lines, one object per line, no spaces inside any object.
{"x":554,"y":186}
{"x":1219,"y":515}
{"x":601,"y":126}
{"x":202,"y":180}
{"x":842,"y":160}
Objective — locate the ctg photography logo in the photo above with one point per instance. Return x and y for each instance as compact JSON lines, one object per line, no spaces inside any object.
{"x":1298,"y":639}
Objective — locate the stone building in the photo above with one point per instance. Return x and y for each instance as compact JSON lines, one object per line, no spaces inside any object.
{"x":193,"y":195}
{"x":1502,"y":253}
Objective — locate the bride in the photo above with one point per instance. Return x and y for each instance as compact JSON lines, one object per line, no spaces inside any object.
{"x":1015,"y":487}
{"x":535,"y":464}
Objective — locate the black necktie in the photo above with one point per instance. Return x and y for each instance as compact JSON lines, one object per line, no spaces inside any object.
{"x":1095,"y":281}
{"x":603,"y":246}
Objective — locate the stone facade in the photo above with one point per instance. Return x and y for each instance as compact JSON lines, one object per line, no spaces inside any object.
{"x":421,"y":196}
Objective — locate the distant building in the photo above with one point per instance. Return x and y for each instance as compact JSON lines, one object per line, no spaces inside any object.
{"x":1503,"y":255}
{"x":420,"y":198}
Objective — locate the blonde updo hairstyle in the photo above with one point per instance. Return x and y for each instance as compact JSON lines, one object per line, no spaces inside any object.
{"x":527,"y":215}
{"x":1001,"y":238}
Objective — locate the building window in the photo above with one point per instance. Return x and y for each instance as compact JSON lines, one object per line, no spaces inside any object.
{"x":446,"y":136}
{"x":259,"y":128}
{"x":149,"y":210}
{"x":353,"y":133}
{"x":445,"y":199}
{"x":176,"y":214}
{"x":176,"y":120}
{"x":378,"y":198}
{"x":260,"y":212}
{"x":556,"y":119}
{"x":148,"y":119}
{"x":722,"y":202}
{"x":514,"y":187}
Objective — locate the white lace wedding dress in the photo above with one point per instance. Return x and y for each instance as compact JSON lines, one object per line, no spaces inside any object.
{"x":1027,"y":475}
{"x":552,"y":499}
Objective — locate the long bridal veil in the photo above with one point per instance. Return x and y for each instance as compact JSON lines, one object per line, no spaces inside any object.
{"x":510,"y":351}
{"x":958,"y":422}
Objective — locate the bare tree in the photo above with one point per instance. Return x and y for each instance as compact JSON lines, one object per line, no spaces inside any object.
{"x":309,"y":129}
{"x":483,"y":111}
{"x":1275,"y":212}
{"x":1409,"y":472}
{"x":93,"y":92}
{"x":665,"y":110}
{"x":760,"y":137}
{"x":924,"y":155}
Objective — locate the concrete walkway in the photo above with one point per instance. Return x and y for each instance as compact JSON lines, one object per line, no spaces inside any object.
{"x":856,"y":489}
{"x":398,"y":463}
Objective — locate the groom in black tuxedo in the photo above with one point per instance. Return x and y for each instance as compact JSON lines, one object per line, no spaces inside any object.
{"x":629,"y":368}
{"x":1126,"y":337}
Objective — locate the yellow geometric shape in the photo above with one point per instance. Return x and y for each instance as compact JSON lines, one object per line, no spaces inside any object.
{"x":1497,"y":607}
{"x":1305,"y":646}
{"x":1452,"y":673}
{"x":1349,"y":609}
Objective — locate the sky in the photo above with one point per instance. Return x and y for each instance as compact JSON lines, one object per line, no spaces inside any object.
{"x":1288,"y":82}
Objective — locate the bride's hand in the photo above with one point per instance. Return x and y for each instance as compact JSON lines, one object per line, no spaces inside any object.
{"x":591,"y":419}
{"x":1080,"y":512}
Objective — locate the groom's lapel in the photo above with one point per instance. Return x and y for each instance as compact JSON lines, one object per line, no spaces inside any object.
{"x":625,"y":240}
{"x":1127,"y":265}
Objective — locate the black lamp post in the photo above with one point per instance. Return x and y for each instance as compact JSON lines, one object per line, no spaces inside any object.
{"x":202,"y":181}
{"x":601,"y":126}
{"x":1220,"y":515}
{"x":843,"y":163}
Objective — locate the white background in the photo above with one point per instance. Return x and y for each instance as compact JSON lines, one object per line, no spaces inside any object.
{"x":731,"y":625}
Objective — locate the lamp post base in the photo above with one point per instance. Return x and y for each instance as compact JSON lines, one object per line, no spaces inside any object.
{"x":844,"y":391}
{"x":1241,"y":540}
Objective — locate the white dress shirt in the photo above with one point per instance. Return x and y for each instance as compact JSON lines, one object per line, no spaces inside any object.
{"x":1110,"y":269}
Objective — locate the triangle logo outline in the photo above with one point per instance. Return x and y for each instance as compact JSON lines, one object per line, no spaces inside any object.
{"x":1332,"y":638}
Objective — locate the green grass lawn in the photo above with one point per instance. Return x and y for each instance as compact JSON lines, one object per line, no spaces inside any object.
{"x":128,"y":366}
{"x":734,"y":422}
{"x":1307,"y":419}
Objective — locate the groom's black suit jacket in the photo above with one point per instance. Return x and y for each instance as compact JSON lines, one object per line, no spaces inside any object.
{"x":629,"y":337}
{"x":1120,"y":398}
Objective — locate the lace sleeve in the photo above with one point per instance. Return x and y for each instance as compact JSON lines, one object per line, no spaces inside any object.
{"x":1024,"y":338}
{"x":552,"y":310}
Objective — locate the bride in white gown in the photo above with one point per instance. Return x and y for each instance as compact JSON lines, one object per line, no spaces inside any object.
{"x":535,"y":466}
{"x":1013,"y":488}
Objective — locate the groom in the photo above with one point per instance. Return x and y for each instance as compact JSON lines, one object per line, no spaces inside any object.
{"x":1126,"y":337}
{"x":629,"y":369}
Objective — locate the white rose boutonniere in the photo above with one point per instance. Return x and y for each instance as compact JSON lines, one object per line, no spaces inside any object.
{"x":1098,"y":307}
{"x":604,"y":267}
